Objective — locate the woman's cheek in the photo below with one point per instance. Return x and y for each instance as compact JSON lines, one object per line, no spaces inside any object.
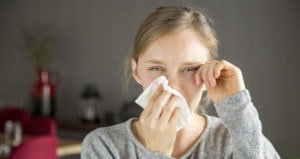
{"x":148,"y":79}
{"x":192,"y":94}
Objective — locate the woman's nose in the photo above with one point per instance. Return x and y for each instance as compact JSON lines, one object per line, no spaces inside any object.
{"x":173,"y":82}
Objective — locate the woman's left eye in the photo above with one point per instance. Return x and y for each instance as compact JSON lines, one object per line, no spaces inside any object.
{"x":190,"y":69}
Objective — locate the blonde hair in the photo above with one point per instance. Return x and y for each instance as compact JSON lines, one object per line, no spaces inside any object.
{"x":165,"y":20}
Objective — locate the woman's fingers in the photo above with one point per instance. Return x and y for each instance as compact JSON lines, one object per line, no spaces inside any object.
{"x":211,"y":74}
{"x":157,"y":92}
{"x":219,"y":66}
{"x":207,"y":73}
{"x":160,"y":108}
{"x":159,"y":104}
{"x":203,"y":74}
{"x":156,"y":103}
{"x":157,"y":125}
{"x":147,"y":111}
{"x":221,"y":78}
{"x":169,"y":109}
{"x":198,"y":79}
{"x":174,"y":117}
{"x":225,"y":69}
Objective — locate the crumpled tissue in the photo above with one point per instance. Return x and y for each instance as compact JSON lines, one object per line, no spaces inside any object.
{"x":143,"y":99}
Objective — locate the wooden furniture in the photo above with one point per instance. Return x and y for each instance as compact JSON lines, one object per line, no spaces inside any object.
{"x":68,"y":147}
{"x":78,"y":126}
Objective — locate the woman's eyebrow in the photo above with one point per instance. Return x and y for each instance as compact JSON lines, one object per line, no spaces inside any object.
{"x":192,"y":63}
{"x":154,"y":61}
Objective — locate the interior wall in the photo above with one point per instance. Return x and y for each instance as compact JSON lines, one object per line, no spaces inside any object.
{"x":94,"y":37}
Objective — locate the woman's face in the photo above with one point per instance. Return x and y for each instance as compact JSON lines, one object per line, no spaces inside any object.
{"x":177,"y":56}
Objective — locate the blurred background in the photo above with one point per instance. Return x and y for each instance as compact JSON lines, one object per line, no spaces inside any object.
{"x":93,"y":38}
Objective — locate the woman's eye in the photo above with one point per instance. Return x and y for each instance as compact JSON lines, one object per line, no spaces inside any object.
{"x":190,"y":69}
{"x":155,"y":69}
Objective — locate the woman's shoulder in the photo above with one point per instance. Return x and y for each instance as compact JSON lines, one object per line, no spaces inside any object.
{"x":215,"y":128}
{"x":105,"y":141}
{"x":216,"y":134}
{"x":110,"y":133}
{"x":116,"y":129}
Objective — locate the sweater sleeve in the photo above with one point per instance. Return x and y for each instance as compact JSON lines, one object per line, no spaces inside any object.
{"x":241,"y":119}
{"x":92,"y":148}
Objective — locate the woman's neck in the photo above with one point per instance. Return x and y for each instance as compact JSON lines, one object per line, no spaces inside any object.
{"x":189,"y":135}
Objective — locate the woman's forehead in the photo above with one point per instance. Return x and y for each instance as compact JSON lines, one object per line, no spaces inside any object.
{"x":184,"y":44}
{"x":167,"y":58}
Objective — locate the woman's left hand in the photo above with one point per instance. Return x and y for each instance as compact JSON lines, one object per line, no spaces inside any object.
{"x":221,"y":78}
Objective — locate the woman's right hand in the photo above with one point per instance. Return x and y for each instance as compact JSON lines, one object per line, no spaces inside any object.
{"x":156,"y":128}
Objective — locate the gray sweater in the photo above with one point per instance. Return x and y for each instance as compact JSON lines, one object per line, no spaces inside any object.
{"x":237,"y":133}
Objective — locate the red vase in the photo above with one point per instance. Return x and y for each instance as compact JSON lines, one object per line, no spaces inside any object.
{"x":43,"y":101}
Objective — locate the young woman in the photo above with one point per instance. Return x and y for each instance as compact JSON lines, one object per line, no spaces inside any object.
{"x":178,"y":43}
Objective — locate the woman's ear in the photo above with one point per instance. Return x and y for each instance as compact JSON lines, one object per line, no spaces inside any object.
{"x":134,"y":70}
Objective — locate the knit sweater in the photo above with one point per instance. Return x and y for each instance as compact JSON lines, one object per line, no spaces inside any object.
{"x":236,"y":133}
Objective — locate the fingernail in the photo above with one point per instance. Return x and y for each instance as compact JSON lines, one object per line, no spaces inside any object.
{"x":207,"y":85}
{"x":212,"y":83}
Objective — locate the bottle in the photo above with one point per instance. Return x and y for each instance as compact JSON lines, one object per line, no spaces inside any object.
{"x":43,"y":101}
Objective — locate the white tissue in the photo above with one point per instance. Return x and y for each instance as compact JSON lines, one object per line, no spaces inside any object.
{"x":143,"y":99}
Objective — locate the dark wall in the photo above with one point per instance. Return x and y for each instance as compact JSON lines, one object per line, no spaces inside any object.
{"x":93,"y":38}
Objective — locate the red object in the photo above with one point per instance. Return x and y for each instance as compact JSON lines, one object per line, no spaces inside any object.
{"x":40,"y":126}
{"x":42,"y":147}
{"x":14,"y":114}
{"x":43,"y":95}
{"x":31,"y":125}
